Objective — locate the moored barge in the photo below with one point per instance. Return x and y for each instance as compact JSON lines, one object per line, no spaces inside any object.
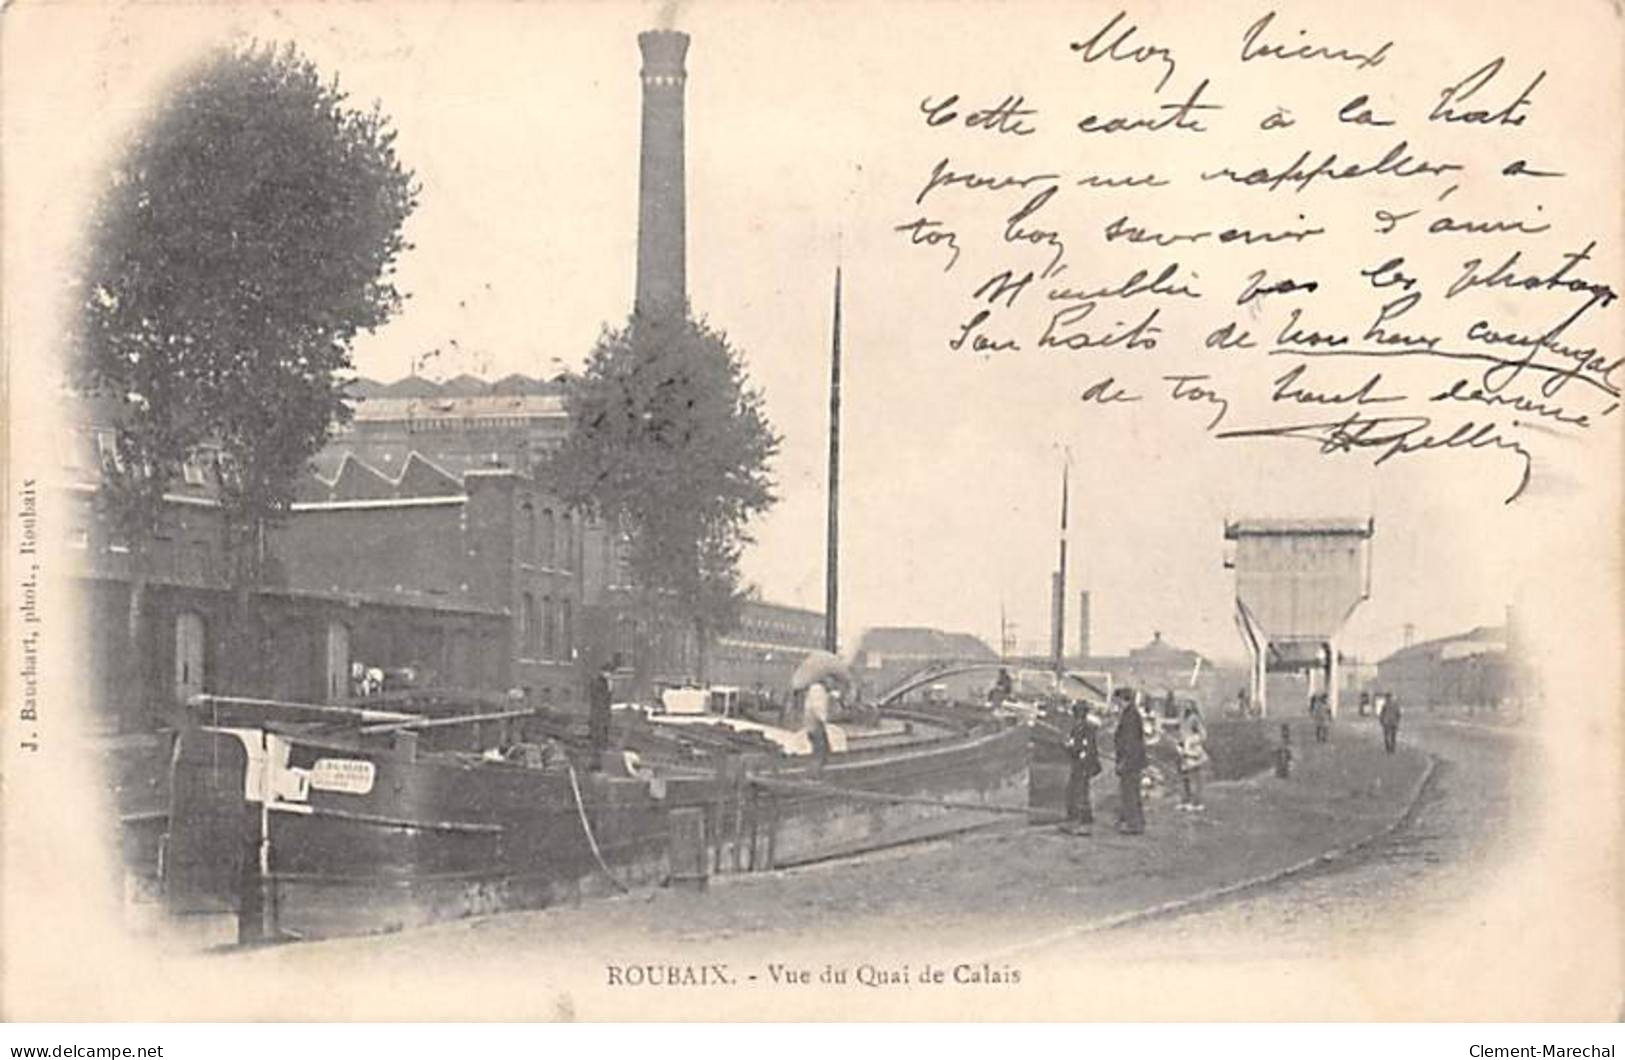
{"x":311,"y":822}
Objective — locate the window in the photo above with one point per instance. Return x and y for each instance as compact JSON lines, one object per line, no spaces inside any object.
{"x":527,"y":533}
{"x":549,"y":542}
{"x":567,"y":559}
{"x":567,"y":640}
{"x":192,"y":470}
{"x":528,"y":631}
{"x":549,"y":629}
{"x":189,"y":655}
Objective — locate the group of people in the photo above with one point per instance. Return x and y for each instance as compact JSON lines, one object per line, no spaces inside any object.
{"x":1320,"y":712}
{"x":1130,"y":739}
{"x":1131,"y":760}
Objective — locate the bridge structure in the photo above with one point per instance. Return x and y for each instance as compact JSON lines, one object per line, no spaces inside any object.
{"x":1090,"y":684}
{"x":1297,"y":583}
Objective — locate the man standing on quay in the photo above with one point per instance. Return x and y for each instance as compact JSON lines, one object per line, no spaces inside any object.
{"x":1083,"y":747}
{"x":598,"y":711}
{"x":1130,"y":749}
{"x":1389,"y":717}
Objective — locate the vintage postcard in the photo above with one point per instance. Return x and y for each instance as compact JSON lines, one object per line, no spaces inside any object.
{"x":812,"y":511}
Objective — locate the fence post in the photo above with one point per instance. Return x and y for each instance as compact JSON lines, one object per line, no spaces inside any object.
{"x":687,"y":848}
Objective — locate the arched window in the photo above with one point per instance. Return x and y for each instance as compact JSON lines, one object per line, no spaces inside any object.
{"x":527,"y":533}
{"x":567,"y":547}
{"x":528,"y":629}
{"x":549,"y":631}
{"x":548,"y":542}
{"x":567,"y":633}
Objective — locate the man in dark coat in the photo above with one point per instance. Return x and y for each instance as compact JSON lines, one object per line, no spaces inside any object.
{"x":598,"y":708}
{"x":1083,"y":749}
{"x":1389,"y":717}
{"x":1002,"y":688}
{"x":1130,"y":748}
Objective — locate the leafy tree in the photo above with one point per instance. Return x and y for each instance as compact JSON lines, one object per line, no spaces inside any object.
{"x":249,"y":233}
{"x":670,"y":443}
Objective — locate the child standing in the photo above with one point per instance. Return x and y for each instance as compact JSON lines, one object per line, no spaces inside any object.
{"x":1193,"y":756}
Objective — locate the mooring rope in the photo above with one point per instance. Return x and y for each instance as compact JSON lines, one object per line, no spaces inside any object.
{"x":586,"y":828}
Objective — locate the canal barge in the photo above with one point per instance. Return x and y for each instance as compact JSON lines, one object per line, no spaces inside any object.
{"x":313,"y":821}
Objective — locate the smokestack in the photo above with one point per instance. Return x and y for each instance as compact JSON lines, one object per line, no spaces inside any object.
{"x":1083,"y":624}
{"x":662,"y":281}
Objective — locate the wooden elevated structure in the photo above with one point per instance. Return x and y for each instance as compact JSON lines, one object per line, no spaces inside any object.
{"x":1297,"y":583}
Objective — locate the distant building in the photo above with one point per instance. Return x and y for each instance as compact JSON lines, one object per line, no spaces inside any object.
{"x":1159,"y":666}
{"x":462,"y":424}
{"x":887,"y":655}
{"x":763,"y":652}
{"x":1473,"y":669}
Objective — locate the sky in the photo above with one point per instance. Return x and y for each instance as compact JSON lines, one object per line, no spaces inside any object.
{"x":805,"y":150}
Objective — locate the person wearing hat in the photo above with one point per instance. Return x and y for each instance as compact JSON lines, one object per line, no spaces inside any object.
{"x":1389,"y":718}
{"x":1083,"y":751}
{"x":1131,"y":762}
{"x":599,"y":698}
{"x":815,"y":721}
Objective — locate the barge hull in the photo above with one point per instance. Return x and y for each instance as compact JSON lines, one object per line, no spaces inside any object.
{"x":437,"y":837}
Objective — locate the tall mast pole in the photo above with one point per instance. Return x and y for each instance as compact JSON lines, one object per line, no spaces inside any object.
{"x":1058,"y":648}
{"x":832,"y":579}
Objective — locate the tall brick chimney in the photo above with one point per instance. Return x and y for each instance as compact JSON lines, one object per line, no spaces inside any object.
{"x":662,"y":281}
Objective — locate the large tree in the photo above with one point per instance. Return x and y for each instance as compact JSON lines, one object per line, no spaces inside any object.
{"x":249,"y":233}
{"x":670,"y":443}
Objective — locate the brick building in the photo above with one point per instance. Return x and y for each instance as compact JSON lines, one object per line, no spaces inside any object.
{"x":302,"y":636}
{"x":430,"y":437}
{"x":415,"y":442}
{"x":461,"y":424}
{"x":490,"y":539}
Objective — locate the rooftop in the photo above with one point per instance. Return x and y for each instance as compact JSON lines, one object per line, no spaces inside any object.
{"x":1333,"y":527}
{"x":924,"y":642}
{"x":464,"y":397}
{"x":1489,"y":637}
